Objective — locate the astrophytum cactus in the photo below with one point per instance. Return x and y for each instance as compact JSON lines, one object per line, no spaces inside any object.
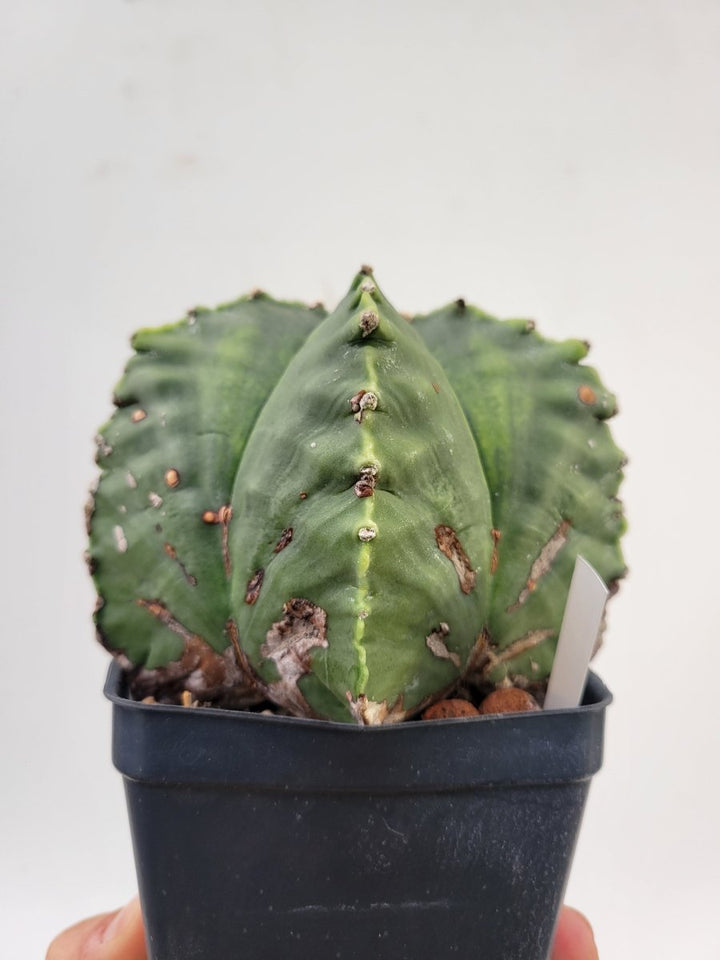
{"x":349,"y":516}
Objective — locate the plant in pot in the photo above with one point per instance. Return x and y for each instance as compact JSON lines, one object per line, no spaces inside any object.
{"x":332,"y":554}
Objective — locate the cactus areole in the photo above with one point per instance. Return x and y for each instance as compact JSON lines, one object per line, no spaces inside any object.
{"x":352,"y":515}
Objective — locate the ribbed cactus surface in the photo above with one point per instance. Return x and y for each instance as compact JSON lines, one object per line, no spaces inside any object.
{"x":348,"y":515}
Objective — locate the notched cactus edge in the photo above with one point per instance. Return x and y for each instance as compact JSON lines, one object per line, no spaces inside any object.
{"x":348,"y":515}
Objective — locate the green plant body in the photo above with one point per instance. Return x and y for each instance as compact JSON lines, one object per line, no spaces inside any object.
{"x":350,"y":515}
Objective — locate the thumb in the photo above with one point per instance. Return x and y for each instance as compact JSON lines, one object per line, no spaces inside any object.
{"x":110,"y":936}
{"x":574,"y":938}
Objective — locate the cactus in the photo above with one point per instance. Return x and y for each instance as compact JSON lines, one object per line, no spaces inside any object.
{"x":348,"y":515}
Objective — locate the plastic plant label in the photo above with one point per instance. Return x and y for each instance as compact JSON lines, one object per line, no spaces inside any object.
{"x":578,"y":635}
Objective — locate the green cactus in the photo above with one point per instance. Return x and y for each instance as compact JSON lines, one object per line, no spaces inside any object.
{"x":348,"y":515}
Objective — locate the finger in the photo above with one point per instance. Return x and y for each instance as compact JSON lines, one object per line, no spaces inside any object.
{"x":574,"y":938}
{"x":109,"y":936}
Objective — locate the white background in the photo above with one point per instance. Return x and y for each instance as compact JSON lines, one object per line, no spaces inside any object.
{"x":552,"y":160}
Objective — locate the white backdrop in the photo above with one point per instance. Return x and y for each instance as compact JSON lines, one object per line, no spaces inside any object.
{"x":554,"y":160}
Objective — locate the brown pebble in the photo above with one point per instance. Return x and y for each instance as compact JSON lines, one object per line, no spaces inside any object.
{"x":449,"y":709}
{"x":508,"y":700}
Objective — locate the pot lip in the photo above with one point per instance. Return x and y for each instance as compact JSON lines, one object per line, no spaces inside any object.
{"x":596,"y":698}
{"x":160,"y":743}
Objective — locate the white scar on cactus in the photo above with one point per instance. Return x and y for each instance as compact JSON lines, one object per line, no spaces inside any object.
{"x":435,"y":643}
{"x":542,"y":564}
{"x":288,"y":643}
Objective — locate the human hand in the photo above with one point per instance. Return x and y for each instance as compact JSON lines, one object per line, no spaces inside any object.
{"x":574,"y":938}
{"x":109,"y":936}
{"x":120,"y":936}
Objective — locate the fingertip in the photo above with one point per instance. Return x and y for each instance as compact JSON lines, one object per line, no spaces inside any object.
{"x":123,"y":922}
{"x":69,"y":944}
{"x":574,"y":938}
{"x":109,"y":936}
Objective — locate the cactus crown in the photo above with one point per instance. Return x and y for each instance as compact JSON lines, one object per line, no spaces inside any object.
{"x":348,"y":515}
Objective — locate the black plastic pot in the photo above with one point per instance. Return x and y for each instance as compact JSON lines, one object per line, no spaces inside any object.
{"x":271,"y":838}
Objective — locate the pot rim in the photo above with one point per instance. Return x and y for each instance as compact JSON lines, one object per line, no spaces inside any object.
{"x":202,"y":745}
{"x":596,"y":697}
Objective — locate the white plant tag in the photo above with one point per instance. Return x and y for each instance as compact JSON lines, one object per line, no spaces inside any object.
{"x":578,"y":635}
